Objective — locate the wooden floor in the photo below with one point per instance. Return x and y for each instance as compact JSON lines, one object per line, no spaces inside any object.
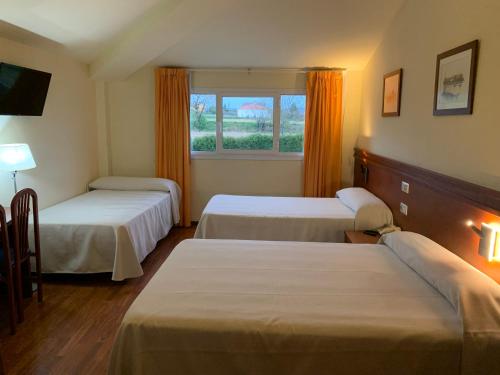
{"x":72,"y":331}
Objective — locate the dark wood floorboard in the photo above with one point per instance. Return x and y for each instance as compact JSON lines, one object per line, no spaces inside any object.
{"x":72,"y":331}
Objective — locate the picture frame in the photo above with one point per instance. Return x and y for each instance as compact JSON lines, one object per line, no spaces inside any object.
{"x":455,"y":80}
{"x":391,"y":94}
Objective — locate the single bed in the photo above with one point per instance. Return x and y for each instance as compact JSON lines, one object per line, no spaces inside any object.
{"x":292,"y":218}
{"x":109,"y":229}
{"x":226,"y":307}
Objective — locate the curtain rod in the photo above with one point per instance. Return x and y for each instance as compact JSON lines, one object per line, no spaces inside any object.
{"x":262,"y":70}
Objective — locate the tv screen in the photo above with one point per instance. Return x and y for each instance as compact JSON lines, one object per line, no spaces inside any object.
{"x":22,"y":91}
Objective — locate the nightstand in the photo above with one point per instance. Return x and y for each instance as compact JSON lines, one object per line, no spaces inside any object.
{"x":360,"y":237}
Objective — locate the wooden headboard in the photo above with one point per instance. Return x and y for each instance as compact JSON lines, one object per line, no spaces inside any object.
{"x":438,"y":206}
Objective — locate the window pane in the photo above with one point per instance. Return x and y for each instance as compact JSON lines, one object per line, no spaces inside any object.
{"x":247,"y":123}
{"x":202,"y":122}
{"x":293,"y":108}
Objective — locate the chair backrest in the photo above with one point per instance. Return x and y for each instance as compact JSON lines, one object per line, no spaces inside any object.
{"x":4,"y":238}
{"x":23,"y":202}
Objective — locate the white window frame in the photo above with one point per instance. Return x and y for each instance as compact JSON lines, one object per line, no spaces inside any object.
{"x":273,"y":154}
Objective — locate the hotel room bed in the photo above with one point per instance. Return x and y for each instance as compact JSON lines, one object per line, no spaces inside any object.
{"x":246,"y":307}
{"x":110,"y":229}
{"x":292,"y":218}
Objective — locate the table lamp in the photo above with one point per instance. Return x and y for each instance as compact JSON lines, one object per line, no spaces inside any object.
{"x":16,"y":157}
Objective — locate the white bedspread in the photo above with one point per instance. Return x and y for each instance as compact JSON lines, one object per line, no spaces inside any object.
{"x":104,"y":231}
{"x":275,"y":219}
{"x":244,"y":307}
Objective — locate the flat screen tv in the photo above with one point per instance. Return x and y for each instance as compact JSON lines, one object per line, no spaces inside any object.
{"x":22,"y":91}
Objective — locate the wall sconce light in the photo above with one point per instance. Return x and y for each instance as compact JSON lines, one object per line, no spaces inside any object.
{"x":489,"y":245}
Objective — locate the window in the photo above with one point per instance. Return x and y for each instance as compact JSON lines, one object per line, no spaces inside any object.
{"x":292,"y":119}
{"x":247,"y":123}
{"x":257,"y":125}
{"x":203,"y":122}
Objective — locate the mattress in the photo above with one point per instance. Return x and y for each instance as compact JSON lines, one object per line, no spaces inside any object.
{"x":247,"y":307}
{"x":104,"y":231}
{"x":275,"y":219}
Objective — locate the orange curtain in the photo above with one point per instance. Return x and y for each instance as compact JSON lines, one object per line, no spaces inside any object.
{"x":323,"y":134}
{"x":172,"y":133}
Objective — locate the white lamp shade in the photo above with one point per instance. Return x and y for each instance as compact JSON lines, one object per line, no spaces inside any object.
{"x":16,"y":157}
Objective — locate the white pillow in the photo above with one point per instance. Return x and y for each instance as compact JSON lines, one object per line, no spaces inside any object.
{"x":131,"y":183}
{"x":426,"y":257}
{"x":371,"y":212}
{"x":474,"y":296}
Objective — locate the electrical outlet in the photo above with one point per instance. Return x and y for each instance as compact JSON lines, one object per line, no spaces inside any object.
{"x":405,"y":187}
{"x":403,"y":208}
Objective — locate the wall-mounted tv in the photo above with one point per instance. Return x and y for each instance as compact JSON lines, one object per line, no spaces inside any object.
{"x":22,"y":91}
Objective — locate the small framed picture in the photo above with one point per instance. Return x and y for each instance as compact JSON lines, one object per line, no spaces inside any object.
{"x":455,"y":80}
{"x":391,"y":103}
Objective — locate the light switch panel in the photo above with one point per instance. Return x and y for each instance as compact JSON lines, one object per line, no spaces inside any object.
{"x":403,"y":208}
{"x":405,"y":187}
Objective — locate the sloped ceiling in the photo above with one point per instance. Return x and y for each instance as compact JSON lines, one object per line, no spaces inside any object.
{"x":118,"y":37}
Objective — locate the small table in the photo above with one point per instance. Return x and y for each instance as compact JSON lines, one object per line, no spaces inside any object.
{"x":360,"y":237}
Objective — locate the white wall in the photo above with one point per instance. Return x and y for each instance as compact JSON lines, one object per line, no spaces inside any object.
{"x":130,"y":112}
{"x":353,"y":84}
{"x":464,"y":146}
{"x":130,"y":106}
{"x":64,"y":139}
{"x":246,"y":177}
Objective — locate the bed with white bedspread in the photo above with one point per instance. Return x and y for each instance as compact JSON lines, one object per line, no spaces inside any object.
{"x":292,"y":218}
{"x":225,"y":307}
{"x":109,"y":229}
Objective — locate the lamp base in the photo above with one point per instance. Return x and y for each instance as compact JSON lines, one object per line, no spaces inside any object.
{"x":13,"y":176}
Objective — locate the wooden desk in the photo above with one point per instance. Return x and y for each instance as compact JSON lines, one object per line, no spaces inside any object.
{"x":360,"y":237}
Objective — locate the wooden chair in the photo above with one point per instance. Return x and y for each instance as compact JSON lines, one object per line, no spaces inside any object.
{"x":6,"y":271}
{"x":20,"y":210}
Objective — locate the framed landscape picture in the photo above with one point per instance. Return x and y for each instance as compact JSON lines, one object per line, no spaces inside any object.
{"x":391,"y":102}
{"x":455,"y":80}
